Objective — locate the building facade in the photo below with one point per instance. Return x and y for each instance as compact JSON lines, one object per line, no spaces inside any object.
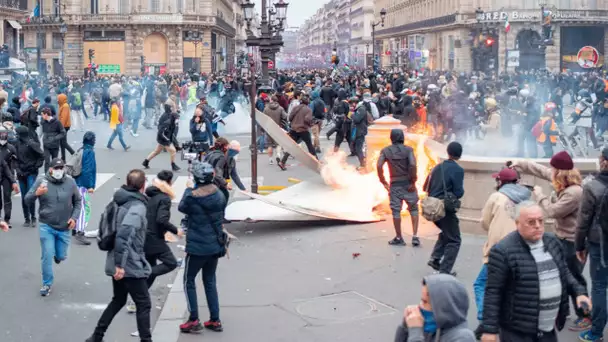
{"x":172,"y":36}
{"x":11,"y":34}
{"x":446,"y":34}
{"x":361,"y":18}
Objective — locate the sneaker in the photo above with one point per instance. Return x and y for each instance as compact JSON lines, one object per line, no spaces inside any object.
{"x":580,"y":324}
{"x":94,"y":339}
{"x":57,"y":261}
{"x":434,"y":264}
{"x":134,"y":134}
{"x":478,"y":332}
{"x":135,"y":334}
{"x":110,"y":148}
{"x":91,"y":234}
{"x":191,"y":327}
{"x":588,"y":336}
{"x":214,"y":325}
{"x":271,"y":162}
{"x":45,"y":290}
{"x":397,"y":241}
{"x":415,"y":241}
{"x":34,"y":222}
{"x":127,"y":148}
{"x":131,"y":308}
{"x":27,"y":223}
{"x":82,"y":239}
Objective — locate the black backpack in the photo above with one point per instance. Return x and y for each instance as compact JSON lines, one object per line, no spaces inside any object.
{"x":108,"y":225}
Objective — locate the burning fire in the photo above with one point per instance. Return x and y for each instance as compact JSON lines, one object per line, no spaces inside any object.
{"x":337,"y":173}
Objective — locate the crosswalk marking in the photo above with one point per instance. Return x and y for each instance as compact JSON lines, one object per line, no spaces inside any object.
{"x":180,"y":183}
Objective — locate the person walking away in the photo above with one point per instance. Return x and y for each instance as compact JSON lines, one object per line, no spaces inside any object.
{"x":546,"y":131}
{"x":497,"y":219}
{"x":86,"y":182}
{"x":566,"y":181}
{"x":30,"y":158}
{"x":66,"y":122}
{"x":218,"y":159}
{"x":59,"y":208}
{"x":116,"y":122}
{"x":166,"y":138}
{"x":52,"y":135}
{"x":29,"y":118}
{"x":279,"y":116}
{"x":319,"y":109}
{"x":530,"y":118}
{"x":149,"y":104}
{"x":361,"y":119}
{"x":204,"y":204}
{"x":451,"y":174}
{"x":526,"y":297}
{"x":76,"y":112}
{"x":160,"y":194}
{"x":590,"y":239}
{"x":402,"y":169}
{"x":8,"y":154}
{"x":441,"y":315}
{"x":301,"y":121}
{"x":126,"y":263}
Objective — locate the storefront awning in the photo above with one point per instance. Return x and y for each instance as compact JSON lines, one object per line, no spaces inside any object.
{"x":14,"y":24}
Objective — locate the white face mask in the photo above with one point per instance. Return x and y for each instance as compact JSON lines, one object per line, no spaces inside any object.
{"x":57,"y":174}
{"x":3,"y":142}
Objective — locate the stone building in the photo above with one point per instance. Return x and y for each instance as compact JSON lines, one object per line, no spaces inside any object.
{"x":442,"y":34}
{"x":172,"y":36}
{"x":361,"y":18}
{"x":11,"y":34}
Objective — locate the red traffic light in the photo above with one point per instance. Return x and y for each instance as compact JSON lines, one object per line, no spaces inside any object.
{"x":489,"y":41}
{"x":90,"y":66}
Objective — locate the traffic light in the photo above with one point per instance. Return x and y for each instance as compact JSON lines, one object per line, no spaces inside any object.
{"x":142,"y":60}
{"x":91,"y":54}
{"x":490,"y":41}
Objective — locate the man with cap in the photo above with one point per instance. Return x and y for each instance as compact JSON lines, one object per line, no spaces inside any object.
{"x":402,"y":168}
{"x":59,"y":208}
{"x":445,"y":179}
{"x":497,"y":218}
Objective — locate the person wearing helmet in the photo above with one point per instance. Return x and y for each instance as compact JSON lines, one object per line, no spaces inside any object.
{"x":204,"y":204}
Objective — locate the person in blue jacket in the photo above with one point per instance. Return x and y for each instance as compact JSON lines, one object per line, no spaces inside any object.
{"x":86,"y":185}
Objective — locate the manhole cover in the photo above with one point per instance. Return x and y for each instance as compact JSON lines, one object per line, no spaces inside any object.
{"x":342,"y":307}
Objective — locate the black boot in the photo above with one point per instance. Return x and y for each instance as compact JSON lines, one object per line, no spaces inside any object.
{"x":174,"y":167}
{"x":146,"y":163}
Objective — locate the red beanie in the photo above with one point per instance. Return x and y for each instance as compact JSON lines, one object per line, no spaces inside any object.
{"x":562,"y":161}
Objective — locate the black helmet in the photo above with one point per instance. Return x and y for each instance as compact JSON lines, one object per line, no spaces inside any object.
{"x":202,"y":172}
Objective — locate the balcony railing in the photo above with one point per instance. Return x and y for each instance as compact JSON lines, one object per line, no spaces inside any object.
{"x":44,"y":20}
{"x":20,"y":5}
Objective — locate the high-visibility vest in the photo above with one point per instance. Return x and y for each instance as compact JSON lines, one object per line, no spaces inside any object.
{"x":542,"y":137}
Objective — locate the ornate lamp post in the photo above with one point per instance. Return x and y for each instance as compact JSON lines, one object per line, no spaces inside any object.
{"x":63,"y":30}
{"x":381,"y":22}
{"x":269,"y":42}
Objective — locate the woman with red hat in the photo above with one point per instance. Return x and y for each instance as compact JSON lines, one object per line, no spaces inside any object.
{"x":564,"y":209}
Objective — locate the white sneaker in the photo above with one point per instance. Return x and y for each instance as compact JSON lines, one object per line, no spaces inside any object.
{"x":131,"y":307}
{"x":134,"y":134}
{"x":270,"y":161}
{"x":91,"y":234}
{"x":135,"y":334}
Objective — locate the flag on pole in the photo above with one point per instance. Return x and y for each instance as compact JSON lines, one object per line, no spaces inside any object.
{"x":35,"y":13}
{"x":507,"y":25}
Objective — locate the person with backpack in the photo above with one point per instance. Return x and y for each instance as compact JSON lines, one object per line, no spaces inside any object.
{"x":83,"y":167}
{"x":300,"y":120}
{"x":206,"y":243}
{"x":30,"y":159}
{"x":122,"y":235}
{"x":566,"y":181}
{"x":59,"y":208}
{"x":361,"y":119}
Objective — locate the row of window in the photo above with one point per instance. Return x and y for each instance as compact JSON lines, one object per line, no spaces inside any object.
{"x":124,"y":6}
{"x":57,"y":42}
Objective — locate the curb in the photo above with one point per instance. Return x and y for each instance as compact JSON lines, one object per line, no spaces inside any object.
{"x":172,"y":314}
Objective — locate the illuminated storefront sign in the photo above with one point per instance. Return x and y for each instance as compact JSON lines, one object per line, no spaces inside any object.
{"x":534,"y":15}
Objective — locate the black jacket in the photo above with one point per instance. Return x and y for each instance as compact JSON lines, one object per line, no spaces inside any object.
{"x":158,"y":215}
{"x":454,"y":180}
{"x":167,"y":131}
{"x":30,"y":156}
{"x":8,"y":153}
{"x":511,"y":299}
{"x":587,"y":227}
{"x":328,"y":95}
{"x":400,"y":159}
{"x":52,"y":132}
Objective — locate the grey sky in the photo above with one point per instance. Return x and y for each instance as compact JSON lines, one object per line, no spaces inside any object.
{"x":298,"y":10}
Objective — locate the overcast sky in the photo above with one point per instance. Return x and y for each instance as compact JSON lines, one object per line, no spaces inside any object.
{"x":298,"y":10}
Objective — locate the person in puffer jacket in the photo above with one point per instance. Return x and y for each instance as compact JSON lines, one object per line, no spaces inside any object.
{"x":441,"y":315}
{"x":86,"y":182}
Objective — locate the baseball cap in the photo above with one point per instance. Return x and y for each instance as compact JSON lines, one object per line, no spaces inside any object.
{"x":57,"y":163}
{"x":506,"y":175}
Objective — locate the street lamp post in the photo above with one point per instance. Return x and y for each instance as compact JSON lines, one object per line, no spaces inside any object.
{"x":63,"y":30}
{"x":381,"y":22}
{"x":268,"y":44}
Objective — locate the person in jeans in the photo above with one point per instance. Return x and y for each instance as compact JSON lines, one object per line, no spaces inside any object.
{"x":59,"y":207}
{"x":126,"y":263}
{"x":116,"y":122}
{"x":497,"y":219}
{"x":86,"y":182}
{"x":29,"y":159}
{"x":204,"y":204}
{"x":52,"y":134}
{"x":589,"y":241}
{"x":447,"y":246}
{"x":300,"y":119}
{"x":66,"y":122}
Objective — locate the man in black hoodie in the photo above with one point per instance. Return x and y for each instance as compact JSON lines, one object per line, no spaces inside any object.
{"x":30,"y":158}
{"x":166,"y":137}
{"x":53,"y":132}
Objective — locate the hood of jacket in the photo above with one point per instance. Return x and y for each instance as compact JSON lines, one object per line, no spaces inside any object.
{"x":273,"y":105}
{"x":397,"y":136}
{"x":449,"y":300}
{"x":16,"y":101}
{"x":314,"y":95}
{"x":342,"y":94}
{"x":126,"y":194}
{"x":515,"y":192}
{"x":62,"y":99}
{"x":158,"y":186}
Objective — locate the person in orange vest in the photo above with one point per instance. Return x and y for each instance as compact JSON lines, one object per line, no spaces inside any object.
{"x":546,"y":129}
{"x":420,"y":111}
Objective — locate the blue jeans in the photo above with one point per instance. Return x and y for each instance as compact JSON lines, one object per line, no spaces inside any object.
{"x":117,"y":132}
{"x":599,"y":282}
{"x":136,"y":116}
{"x":261,"y":142}
{"x":54,"y":243}
{"x":25,"y":183}
{"x":479,"y":288}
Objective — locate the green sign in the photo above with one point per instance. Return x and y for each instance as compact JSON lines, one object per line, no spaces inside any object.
{"x":108,"y":69}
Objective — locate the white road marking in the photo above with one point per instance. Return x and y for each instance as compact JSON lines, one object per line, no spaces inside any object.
{"x":84,"y":306}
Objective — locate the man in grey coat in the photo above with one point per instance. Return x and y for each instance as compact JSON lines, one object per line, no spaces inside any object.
{"x":441,"y":315}
{"x":126,"y":263}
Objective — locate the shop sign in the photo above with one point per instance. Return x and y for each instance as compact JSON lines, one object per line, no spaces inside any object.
{"x":108,"y":69}
{"x":528,"y":15}
{"x":159,"y":18}
{"x":513,"y":58}
{"x":588,"y":57}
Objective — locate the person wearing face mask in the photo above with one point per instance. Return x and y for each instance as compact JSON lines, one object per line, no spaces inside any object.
{"x":166,"y":137}
{"x":218,"y":158}
{"x":52,"y":135}
{"x":29,"y":118}
{"x":232,"y":155}
{"x":8,"y":154}
{"x":59,"y":207}
{"x":30,"y":158}
{"x":441,"y":315}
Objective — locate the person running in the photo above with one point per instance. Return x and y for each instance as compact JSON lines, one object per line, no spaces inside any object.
{"x":59,"y":208}
{"x":86,"y":181}
{"x":204,"y":204}
{"x":166,"y":137}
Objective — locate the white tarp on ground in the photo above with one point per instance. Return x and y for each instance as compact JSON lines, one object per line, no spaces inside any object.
{"x":256,"y":210}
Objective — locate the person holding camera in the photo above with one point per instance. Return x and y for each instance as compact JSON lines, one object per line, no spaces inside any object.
{"x":200,"y":129}
{"x":166,"y":137}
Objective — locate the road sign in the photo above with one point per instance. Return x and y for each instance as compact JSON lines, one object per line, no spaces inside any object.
{"x":270,"y":65}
